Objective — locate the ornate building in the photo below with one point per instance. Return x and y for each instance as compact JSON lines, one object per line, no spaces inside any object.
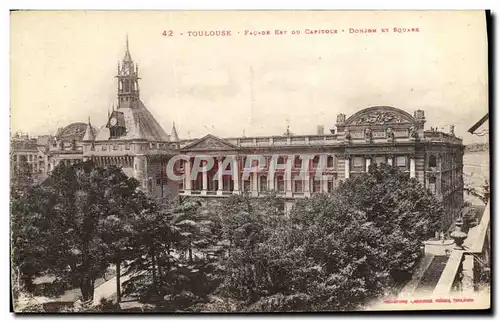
{"x":134,"y":140}
{"x":131,"y":137}
{"x":379,"y":134}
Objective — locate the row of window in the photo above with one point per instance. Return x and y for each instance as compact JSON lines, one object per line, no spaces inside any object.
{"x":315,"y":162}
{"x":298,"y":186}
{"x":24,"y":157}
{"x":127,"y":146}
{"x":400,"y":161}
{"x":297,"y":161}
{"x":447,"y":159}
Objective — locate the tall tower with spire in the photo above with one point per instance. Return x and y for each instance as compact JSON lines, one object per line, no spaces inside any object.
{"x":128,"y":80}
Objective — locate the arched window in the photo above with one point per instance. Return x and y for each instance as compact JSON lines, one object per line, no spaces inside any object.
{"x":432,"y":161}
{"x":315,"y":161}
{"x":127,"y":86}
{"x":329,"y":161}
{"x":297,"y":163}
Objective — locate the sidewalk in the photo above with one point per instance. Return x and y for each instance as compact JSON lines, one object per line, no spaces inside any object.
{"x":108,"y":288}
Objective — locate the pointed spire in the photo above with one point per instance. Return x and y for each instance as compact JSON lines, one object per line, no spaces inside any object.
{"x":89,"y":133}
{"x":127,"y":56}
{"x":174,"y":136}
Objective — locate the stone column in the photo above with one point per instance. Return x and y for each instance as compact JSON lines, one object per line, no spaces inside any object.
{"x":307,"y":180}
{"x":204,"y":178}
{"x":187,"y":177}
{"x":254,"y":181}
{"x":140,"y":170}
{"x":219,"y":175}
{"x":412,"y":167}
{"x":236,"y":176}
{"x":389,"y":160}
{"x":368,"y":162}
{"x":288,"y":176}
{"x":270,"y":174}
{"x":324,"y":183}
{"x":347,"y":168}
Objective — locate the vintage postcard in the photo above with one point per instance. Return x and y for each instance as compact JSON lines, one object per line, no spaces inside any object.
{"x":249,"y":161}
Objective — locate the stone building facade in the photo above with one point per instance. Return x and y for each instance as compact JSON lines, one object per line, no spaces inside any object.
{"x":133,"y":139}
{"x":379,"y":134}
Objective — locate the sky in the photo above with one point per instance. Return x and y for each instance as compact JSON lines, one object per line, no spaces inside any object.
{"x":63,"y":65}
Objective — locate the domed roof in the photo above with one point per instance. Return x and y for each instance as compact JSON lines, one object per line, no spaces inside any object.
{"x":73,"y":131}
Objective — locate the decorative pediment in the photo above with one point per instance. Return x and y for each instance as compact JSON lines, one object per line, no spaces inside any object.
{"x":380,"y":115}
{"x":210,"y":142}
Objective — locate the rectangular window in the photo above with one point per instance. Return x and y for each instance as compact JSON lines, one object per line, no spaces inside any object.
{"x":380,"y":160}
{"x":330,"y":184}
{"x":127,"y":146}
{"x":263,"y":183}
{"x":432,"y":184}
{"x":246,"y":185}
{"x":316,"y":185}
{"x":358,"y":162}
{"x":298,"y":186}
{"x":280,"y":183}
{"x":104,"y":148}
{"x":401,"y":161}
{"x":159,"y":179}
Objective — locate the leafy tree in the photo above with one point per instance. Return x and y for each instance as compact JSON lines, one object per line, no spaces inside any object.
{"x":151,"y":243}
{"x":335,"y":251}
{"x":74,"y":220}
{"x":176,"y":254}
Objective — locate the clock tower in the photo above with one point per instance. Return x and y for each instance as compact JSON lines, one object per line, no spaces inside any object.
{"x":128,"y":81}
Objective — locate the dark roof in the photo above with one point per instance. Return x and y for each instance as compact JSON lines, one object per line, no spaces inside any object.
{"x":478,"y":124}
{"x":140,"y":124}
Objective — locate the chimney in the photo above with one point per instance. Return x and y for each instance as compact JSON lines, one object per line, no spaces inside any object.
{"x":320,"y":130}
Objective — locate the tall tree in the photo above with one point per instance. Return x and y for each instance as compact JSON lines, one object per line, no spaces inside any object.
{"x":76,"y":219}
{"x":335,"y":251}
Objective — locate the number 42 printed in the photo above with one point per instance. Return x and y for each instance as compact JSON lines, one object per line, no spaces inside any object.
{"x":167,"y":33}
